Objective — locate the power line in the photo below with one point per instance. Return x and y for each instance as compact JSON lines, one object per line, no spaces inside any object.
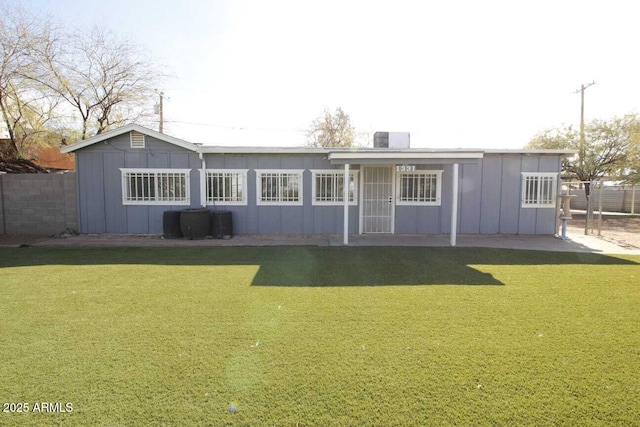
{"x":235,"y":127}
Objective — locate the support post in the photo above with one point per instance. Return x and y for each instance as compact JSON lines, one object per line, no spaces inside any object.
{"x":633,"y":199}
{"x":454,"y":205}
{"x":345,"y":197}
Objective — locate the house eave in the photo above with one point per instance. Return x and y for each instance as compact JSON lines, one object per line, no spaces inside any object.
{"x":386,"y":156}
{"x":534,"y":152}
{"x":125,"y":129}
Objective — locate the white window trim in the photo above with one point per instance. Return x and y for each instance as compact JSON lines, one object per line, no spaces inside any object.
{"x":340,"y":172}
{"x":260,"y":172}
{"x":138,"y":134}
{"x":242,"y":172}
{"x":438,"y":200}
{"x":554,"y":190}
{"x":125,"y":171}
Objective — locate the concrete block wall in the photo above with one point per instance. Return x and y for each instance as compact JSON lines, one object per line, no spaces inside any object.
{"x":38,"y":204}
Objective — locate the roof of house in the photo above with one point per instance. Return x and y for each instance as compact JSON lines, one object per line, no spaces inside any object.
{"x":125,"y":129}
{"x":335,"y":154}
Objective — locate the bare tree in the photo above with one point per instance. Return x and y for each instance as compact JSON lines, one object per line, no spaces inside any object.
{"x":105,"y":80}
{"x":25,"y":108}
{"x":331,"y":130}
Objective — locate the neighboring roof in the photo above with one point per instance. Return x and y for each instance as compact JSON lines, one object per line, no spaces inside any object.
{"x":51,"y":158}
{"x":126,"y":129}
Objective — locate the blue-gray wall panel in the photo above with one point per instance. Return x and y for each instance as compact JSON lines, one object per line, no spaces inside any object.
{"x":179,"y":160}
{"x":252,"y":208}
{"x":92,"y":176}
{"x":135,"y":160}
{"x":447,"y":199}
{"x":195,"y":165}
{"x":291,"y":219}
{"x":406,"y":220}
{"x":137,"y":219}
{"x":510,"y":195}
{"x":158,"y":160}
{"x":491,"y":195}
{"x":116,"y":215}
{"x":268,"y":220}
{"x":470,"y":196}
{"x":155,"y":215}
{"x":418,"y":220}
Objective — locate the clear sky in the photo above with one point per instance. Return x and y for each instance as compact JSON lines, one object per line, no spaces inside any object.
{"x":454,"y":73}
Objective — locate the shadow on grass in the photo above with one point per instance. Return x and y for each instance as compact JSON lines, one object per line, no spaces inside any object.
{"x":307,"y":266}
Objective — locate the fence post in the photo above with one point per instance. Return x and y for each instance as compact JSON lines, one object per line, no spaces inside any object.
{"x":633,"y":199}
{"x":601,"y":184}
{"x":588,"y":215}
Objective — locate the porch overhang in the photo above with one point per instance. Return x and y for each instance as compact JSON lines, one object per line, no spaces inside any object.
{"x":391,"y":157}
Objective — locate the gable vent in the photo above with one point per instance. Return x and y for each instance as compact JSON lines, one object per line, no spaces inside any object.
{"x":137,"y":139}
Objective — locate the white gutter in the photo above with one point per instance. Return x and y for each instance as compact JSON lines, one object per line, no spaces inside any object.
{"x":408,"y":155}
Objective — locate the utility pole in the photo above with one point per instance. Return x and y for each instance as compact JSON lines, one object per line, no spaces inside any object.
{"x":583,"y":87}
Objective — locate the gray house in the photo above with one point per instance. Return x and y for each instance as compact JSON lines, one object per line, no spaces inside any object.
{"x":129,"y":176}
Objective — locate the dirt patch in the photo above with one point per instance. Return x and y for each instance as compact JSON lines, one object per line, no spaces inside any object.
{"x":621,"y":229}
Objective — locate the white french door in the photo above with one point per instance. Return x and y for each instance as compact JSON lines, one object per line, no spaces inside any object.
{"x":377,"y":207}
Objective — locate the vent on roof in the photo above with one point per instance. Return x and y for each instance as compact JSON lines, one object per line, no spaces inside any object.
{"x":137,"y":139}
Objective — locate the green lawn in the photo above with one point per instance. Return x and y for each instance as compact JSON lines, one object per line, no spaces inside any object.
{"x":319,"y":336}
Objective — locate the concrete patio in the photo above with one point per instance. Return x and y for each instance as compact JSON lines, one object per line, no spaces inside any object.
{"x":576,"y":242}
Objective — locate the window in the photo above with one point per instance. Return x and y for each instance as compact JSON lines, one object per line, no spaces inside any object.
{"x":226,"y":187}
{"x":421,"y":187}
{"x":137,"y":139}
{"x":155,"y":186}
{"x":279,"y":187}
{"x":327,"y":187}
{"x":539,"y":190}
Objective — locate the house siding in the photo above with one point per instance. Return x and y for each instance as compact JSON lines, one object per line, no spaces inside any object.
{"x":100,"y":207}
{"x":305,"y":219}
{"x":489,"y":193}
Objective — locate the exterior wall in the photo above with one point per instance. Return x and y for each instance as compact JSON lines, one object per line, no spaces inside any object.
{"x":500,"y":190}
{"x":100,"y":190}
{"x":489,"y":196}
{"x":305,"y":219}
{"x":40,"y":204}
{"x":100,"y":208}
{"x":489,"y":199}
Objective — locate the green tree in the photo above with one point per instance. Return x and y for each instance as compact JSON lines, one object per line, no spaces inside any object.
{"x":611,"y":148}
{"x":331,"y":130}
